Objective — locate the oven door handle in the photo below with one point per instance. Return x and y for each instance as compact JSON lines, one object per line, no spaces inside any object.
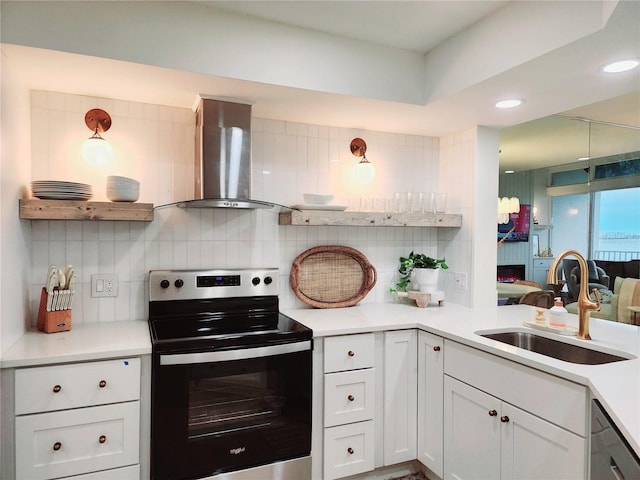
{"x":228,"y":355}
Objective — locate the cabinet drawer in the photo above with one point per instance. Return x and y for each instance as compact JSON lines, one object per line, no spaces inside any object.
{"x":349,"y":397}
{"x":348,"y":449}
{"x":542,"y":262}
{"x":126,"y":473}
{"x":348,"y":352}
{"x":71,"y":442}
{"x":59,"y":387}
{"x":554,"y":399}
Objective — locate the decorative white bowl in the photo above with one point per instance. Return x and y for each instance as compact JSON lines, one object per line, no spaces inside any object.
{"x":117,"y":181}
{"x":123,"y":194}
{"x":316,"y":199}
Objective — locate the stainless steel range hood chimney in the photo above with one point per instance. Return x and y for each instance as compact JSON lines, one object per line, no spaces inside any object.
{"x":223,"y":156}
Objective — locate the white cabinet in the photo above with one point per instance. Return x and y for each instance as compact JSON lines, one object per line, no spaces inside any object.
{"x":61,"y":387}
{"x":487,"y":438}
{"x":400,"y":396}
{"x":349,"y":405}
{"x":504,"y":420}
{"x":349,"y":396}
{"x":80,"y":420}
{"x":471,"y":437}
{"x":541,"y":269}
{"x":348,"y":449}
{"x":430,"y":398}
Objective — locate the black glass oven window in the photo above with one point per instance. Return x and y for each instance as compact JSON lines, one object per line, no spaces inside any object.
{"x":233,"y":403}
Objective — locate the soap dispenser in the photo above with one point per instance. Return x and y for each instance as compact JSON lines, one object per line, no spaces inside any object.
{"x":558,"y":314}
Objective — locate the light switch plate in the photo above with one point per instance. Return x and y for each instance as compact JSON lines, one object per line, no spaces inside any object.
{"x":461,"y":279}
{"x":104,"y":285}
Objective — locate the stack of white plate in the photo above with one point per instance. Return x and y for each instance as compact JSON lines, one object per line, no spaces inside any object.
{"x":122,"y":189}
{"x":57,"y":190}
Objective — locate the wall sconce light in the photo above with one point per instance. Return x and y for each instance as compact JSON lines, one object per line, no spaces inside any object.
{"x":95,"y":149}
{"x":365,"y":171}
{"x":506,"y":206}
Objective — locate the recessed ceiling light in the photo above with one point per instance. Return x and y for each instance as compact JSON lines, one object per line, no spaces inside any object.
{"x":509,"y":171}
{"x":621,"y":66}
{"x":514,"y":102}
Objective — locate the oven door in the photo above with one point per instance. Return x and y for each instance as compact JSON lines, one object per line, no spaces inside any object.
{"x":222,"y":411}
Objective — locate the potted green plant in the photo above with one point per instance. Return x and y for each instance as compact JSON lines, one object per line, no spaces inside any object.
{"x":426,"y":272}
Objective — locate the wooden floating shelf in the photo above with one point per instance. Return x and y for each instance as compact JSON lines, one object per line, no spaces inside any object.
{"x":369,"y":219}
{"x":36,"y":209}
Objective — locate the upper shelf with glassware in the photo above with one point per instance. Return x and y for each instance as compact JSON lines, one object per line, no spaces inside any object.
{"x":369,"y":219}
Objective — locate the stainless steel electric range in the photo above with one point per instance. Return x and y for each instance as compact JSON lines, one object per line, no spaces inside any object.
{"x":231,"y":378}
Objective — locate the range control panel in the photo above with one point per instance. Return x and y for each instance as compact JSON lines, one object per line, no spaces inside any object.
{"x":202,"y":284}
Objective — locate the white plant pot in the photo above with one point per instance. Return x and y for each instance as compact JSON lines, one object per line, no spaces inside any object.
{"x":427,"y":279}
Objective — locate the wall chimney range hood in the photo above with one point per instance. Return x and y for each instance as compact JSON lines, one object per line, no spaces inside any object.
{"x":223,"y":157}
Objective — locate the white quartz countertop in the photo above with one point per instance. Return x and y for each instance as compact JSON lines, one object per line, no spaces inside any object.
{"x":84,"y":342}
{"x":616,"y":385}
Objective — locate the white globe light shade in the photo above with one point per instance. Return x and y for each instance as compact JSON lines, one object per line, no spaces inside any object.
{"x":96,"y":151}
{"x":365,"y":172}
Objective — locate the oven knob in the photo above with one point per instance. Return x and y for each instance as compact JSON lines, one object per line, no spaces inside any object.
{"x":255,"y":280}
{"x":268,"y":280}
{"x":164,"y":284}
{"x":179,"y":283}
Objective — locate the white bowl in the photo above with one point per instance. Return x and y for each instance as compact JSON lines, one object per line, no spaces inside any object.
{"x":117,"y":181}
{"x":316,"y":199}
{"x":120,"y":193}
{"x":123,"y":195}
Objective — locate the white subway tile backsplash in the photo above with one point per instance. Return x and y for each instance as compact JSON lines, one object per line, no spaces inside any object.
{"x":155,"y":145}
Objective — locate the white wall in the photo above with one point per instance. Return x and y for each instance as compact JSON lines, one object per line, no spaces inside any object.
{"x":15,"y":170}
{"x":570,"y":217}
{"x":152,"y":144}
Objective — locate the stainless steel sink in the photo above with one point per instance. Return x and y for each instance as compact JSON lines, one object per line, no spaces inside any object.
{"x":553,"y":348}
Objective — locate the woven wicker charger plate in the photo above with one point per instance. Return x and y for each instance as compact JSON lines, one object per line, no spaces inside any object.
{"x":332,"y":276}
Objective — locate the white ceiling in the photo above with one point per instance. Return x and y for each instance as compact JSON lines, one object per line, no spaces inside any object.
{"x":418,"y":26}
{"x":561,"y":77}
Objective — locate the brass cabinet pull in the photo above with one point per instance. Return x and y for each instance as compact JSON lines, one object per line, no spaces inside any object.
{"x":504,"y":419}
{"x":351,"y":398}
{"x":350,"y":450}
{"x":436,"y":348}
{"x":103,"y":383}
{"x":492,"y":413}
{"x":351,"y":353}
{"x":102,"y":438}
{"x":57,"y":446}
{"x":57,"y":388}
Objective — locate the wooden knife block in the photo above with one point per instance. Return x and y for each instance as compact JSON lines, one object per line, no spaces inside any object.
{"x":51,"y":322}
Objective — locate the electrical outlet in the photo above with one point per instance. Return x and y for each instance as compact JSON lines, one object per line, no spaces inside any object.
{"x":461,"y":279}
{"x":104,"y":285}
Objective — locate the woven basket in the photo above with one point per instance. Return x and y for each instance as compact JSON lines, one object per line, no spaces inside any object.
{"x":332,"y":276}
